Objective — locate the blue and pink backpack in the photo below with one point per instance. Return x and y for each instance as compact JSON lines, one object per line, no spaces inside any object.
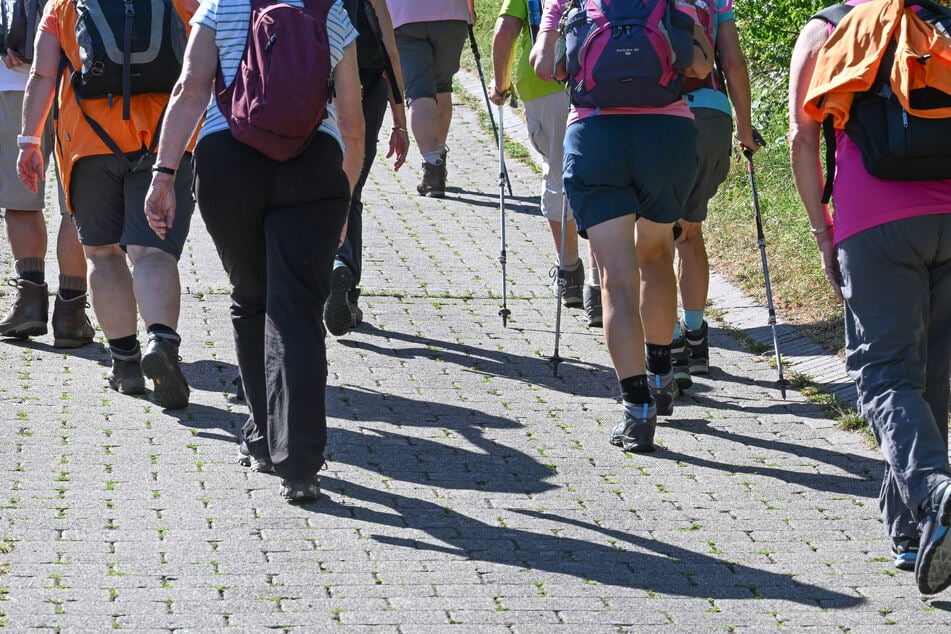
{"x":626,"y":53}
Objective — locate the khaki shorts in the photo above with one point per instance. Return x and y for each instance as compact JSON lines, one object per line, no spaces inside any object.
{"x":429,"y":56}
{"x":13,"y":193}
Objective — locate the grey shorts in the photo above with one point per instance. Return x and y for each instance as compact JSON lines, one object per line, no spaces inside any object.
{"x":714,"y":141}
{"x":13,"y":193}
{"x":108,"y":201}
{"x":429,"y":56}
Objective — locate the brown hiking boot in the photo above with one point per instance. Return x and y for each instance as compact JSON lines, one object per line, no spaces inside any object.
{"x":30,"y":311}
{"x":434,"y":180}
{"x":71,"y":327}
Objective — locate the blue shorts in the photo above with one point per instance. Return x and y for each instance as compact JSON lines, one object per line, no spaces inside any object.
{"x":617,"y":165}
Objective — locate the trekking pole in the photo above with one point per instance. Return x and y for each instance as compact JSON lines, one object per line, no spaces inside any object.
{"x":555,"y":358}
{"x":485,"y":93}
{"x":503,"y":178}
{"x":761,"y":238}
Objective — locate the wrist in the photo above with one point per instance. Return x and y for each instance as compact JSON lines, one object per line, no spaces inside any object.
{"x":26,"y":140}
{"x":161,"y":169}
{"x":819,"y":232}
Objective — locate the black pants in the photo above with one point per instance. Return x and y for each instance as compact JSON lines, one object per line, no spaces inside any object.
{"x":375,"y":95}
{"x":276,"y":228}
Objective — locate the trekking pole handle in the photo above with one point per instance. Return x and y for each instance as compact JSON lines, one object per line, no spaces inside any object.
{"x":760,"y":141}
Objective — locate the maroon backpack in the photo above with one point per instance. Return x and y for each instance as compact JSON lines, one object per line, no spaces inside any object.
{"x":283,"y":83}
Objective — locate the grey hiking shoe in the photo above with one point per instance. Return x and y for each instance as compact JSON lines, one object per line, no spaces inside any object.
{"x":355,"y":311}
{"x":573,"y":294}
{"x":905,"y":551}
{"x":664,"y":389}
{"x":680,"y":360}
{"x":261,"y":464}
{"x":160,"y":363}
{"x":933,"y":565}
{"x":337,"y":314}
{"x":592,"y":306}
{"x":126,"y":376}
{"x":635,"y":433}
{"x":301,"y":491}
{"x":697,"y":346}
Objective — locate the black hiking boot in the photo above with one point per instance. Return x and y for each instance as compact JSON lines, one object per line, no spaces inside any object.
{"x":160,"y":363}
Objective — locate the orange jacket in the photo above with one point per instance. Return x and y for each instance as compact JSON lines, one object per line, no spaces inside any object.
{"x":75,"y":138}
{"x":849,"y":60}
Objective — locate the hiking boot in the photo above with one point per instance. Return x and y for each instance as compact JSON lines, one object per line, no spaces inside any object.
{"x":434,"y":180}
{"x":573,"y":294}
{"x":696,"y":341}
{"x":125,"y":376}
{"x":592,"y":305}
{"x":905,"y":550}
{"x":444,"y":166}
{"x":71,"y":326}
{"x":353,"y":297}
{"x":680,"y":360}
{"x":636,"y":433}
{"x":337,"y":314}
{"x":161,"y":364}
{"x":664,"y":389}
{"x":301,"y":491}
{"x":30,"y":311}
{"x":933,"y":565}
{"x":260,"y":464}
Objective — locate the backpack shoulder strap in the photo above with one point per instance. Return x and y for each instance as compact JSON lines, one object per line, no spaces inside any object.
{"x":832,"y":15}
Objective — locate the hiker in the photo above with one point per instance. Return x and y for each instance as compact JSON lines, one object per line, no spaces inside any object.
{"x":627,"y":173}
{"x":276,"y":224}
{"x":23,"y":211}
{"x":430,"y":37}
{"x":103,"y":158}
{"x":381,"y":83}
{"x":546,"y":113}
{"x":886,"y":252}
{"x":709,"y":101}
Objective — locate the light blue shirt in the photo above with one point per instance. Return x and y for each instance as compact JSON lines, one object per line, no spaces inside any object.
{"x":708,"y":97}
{"x":229,"y":19}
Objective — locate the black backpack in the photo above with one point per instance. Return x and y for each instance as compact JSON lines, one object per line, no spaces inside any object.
{"x":127,"y":47}
{"x":894,"y":144}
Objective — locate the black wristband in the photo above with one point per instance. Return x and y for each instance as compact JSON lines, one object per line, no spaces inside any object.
{"x":161,"y":169}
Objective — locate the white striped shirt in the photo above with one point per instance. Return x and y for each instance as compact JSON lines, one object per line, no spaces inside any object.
{"x":229,"y":20}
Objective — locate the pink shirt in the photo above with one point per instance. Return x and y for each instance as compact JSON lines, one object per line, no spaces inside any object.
{"x":406,"y":11}
{"x":551,"y":16}
{"x":861,"y":201}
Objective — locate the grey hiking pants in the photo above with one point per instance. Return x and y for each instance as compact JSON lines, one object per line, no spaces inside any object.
{"x":897,"y":288}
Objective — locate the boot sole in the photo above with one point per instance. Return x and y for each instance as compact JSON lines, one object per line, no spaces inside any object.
{"x":71,"y":343}
{"x":933,"y":570}
{"x":171,"y":389}
{"x":131,"y":390}
{"x":337,"y":315}
{"x":28,"y":329}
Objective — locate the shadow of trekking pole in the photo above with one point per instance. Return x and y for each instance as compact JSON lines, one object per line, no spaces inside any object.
{"x":761,"y":238}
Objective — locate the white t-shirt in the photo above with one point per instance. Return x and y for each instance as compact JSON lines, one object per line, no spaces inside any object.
{"x":14,"y":79}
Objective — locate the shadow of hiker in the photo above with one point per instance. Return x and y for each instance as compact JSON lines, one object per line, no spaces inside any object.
{"x":864,"y":482}
{"x":206,"y":419}
{"x":577,"y":378}
{"x":610,"y":556}
{"x":210,"y":375}
{"x":480,"y":463}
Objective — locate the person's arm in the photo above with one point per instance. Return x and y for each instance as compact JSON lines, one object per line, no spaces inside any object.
{"x":472,"y":12}
{"x":399,"y":135}
{"x":542,"y":58}
{"x":733,"y":65}
{"x":507,"y":29}
{"x":188,"y":102}
{"x":804,"y":144}
{"x":37,"y":100}
{"x":349,"y":109}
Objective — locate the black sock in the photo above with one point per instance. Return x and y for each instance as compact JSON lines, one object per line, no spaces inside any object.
{"x":634,"y":389}
{"x":124,"y":346}
{"x":658,"y":358}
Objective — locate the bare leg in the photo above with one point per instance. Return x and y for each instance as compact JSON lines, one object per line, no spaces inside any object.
{"x":110,"y":285}
{"x":157,"y":285}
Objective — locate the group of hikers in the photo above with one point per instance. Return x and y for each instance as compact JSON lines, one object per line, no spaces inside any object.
{"x":633,"y":107}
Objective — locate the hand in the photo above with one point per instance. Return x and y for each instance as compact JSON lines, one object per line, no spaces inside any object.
{"x":499,"y":97}
{"x":30,"y":167}
{"x":11,"y":60}
{"x":750,"y":141}
{"x":830,"y":263}
{"x":160,"y":204}
{"x":399,"y":146}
